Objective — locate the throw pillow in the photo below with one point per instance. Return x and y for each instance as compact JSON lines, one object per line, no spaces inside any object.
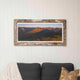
{"x":66,"y":75}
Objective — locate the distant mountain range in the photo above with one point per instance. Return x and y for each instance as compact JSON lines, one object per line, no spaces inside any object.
{"x":38,"y":33}
{"x":35,"y":30}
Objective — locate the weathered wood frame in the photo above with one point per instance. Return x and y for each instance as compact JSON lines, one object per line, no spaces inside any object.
{"x":16,"y":43}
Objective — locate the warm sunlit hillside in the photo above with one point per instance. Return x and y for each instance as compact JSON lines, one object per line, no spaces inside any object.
{"x":22,"y":29}
{"x":36,"y":30}
{"x":48,"y":28}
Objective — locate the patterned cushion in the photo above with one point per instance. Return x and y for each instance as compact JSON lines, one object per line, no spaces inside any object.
{"x":66,"y":75}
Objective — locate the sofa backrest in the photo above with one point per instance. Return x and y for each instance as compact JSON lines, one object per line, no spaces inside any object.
{"x":51,"y":71}
{"x":48,"y":71}
{"x":30,"y":71}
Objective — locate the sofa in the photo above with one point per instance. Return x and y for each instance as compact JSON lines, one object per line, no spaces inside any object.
{"x":46,"y":71}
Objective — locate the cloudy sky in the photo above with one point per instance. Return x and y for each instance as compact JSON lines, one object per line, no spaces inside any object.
{"x":40,"y":24}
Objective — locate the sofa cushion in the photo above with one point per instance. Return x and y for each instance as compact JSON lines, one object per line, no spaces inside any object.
{"x":29,"y":71}
{"x":79,"y":78}
{"x":51,"y":71}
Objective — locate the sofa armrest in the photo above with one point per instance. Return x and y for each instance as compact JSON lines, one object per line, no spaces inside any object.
{"x":79,"y":78}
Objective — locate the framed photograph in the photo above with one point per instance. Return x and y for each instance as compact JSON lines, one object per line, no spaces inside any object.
{"x":45,"y":32}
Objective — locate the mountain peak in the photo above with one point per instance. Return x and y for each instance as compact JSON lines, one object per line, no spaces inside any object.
{"x":48,"y":28}
{"x":22,"y":29}
{"x":36,"y":30}
{"x":57,"y":30}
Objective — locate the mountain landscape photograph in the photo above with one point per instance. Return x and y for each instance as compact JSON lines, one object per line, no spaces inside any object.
{"x":42,"y":32}
{"x":39,"y":33}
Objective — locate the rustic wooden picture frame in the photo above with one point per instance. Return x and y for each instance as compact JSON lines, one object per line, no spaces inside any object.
{"x":40,"y":43}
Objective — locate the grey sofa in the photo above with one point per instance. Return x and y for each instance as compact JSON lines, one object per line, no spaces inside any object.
{"x":46,"y":71}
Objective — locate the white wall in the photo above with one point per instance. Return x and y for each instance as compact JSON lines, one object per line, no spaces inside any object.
{"x":39,"y":9}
